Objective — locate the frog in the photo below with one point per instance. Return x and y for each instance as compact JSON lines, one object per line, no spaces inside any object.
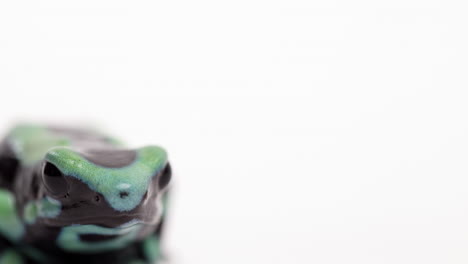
{"x":76,"y":195}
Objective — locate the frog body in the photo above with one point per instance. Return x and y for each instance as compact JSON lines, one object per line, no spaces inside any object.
{"x":70,"y":195}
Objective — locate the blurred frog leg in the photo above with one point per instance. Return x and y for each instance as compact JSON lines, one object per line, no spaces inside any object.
{"x":8,"y":166}
{"x":11,"y":256}
{"x":11,"y":226}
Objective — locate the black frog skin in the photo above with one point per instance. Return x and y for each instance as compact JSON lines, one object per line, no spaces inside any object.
{"x":71,"y":195}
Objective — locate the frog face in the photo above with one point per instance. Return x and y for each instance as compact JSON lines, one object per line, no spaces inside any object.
{"x":102,"y":197}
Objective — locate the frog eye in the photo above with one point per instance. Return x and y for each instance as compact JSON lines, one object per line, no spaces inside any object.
{"x":165,"y":177}
{"x":54,"y":180}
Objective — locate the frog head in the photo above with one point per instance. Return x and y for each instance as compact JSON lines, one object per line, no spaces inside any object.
{"x":102,"y":194}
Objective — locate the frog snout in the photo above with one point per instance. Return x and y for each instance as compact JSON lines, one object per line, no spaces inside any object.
{"x":119,"y":202}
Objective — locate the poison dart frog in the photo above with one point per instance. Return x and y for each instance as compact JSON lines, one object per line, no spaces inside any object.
{"x":71,"y":195}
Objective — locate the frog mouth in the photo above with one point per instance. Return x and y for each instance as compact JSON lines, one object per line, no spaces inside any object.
{"x":92,"y":238}
{"x":116,"y":233}
{"x":112,"y":233}
{"x":97,"y":238}
{"x":112,"y":221}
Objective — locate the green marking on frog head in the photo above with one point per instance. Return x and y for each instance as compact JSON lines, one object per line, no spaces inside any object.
{"x":10,"y":224}
{"x":30,"y":213}
{"x":48,"y":207}
{"x":132,"y":180}
{"x":10,"y":256}
{"x":45,"y":208}
{"x":30,"y":142}
{"x":69,"y":239}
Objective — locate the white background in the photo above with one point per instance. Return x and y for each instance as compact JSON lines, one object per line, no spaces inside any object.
{"x":300,"y":131}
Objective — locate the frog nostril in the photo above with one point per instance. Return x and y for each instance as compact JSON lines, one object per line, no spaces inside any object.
{"x":123,"y":194}
{"x":97,"y":198}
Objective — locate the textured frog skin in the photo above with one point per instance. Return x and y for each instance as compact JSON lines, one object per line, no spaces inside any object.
{"x":77,"y":196}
